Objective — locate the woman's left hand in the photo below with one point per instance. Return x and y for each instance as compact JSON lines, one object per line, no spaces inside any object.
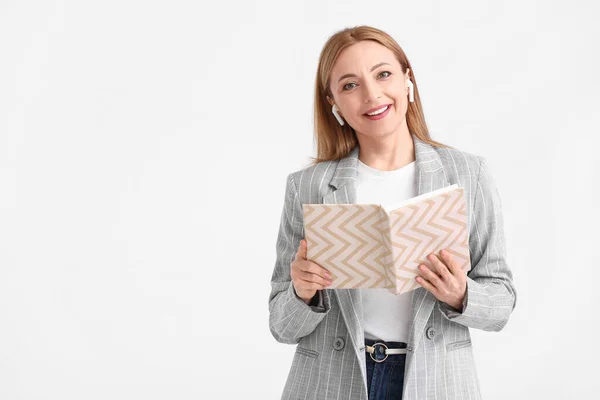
{"x":448,"y":282}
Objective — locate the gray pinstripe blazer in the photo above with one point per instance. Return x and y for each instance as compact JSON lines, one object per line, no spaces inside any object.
{"x":329,"y":361}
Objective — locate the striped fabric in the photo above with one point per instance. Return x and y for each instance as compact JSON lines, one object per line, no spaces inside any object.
{"x":329,"y":362}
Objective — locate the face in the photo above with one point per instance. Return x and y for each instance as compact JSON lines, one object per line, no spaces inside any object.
{"x":366,"y":78}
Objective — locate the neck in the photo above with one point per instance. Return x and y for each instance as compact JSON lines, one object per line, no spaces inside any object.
{"x":389,"y":152}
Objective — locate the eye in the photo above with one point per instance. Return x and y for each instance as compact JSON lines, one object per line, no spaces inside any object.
{"x":383,"y":74}
{"x":345,"y":87}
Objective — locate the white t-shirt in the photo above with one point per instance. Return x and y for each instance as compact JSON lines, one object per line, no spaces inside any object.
{"x":386,"y":316}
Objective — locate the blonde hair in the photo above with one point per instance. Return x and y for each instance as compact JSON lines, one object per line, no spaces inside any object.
{"x":333,"y":140}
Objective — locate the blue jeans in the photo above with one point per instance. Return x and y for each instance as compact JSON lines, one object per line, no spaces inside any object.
{"x":385,"y":379}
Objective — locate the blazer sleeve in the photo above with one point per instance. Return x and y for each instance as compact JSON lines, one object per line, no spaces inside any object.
{"x":491,"y":294}
{"x":290,"y":318}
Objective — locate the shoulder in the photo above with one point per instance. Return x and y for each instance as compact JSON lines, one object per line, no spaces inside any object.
{"x":472,"y":172}
{"x":312,"y":182}
{"x":459,"y":161}
{"x":460,"y":165}
{"x":319,"y":169}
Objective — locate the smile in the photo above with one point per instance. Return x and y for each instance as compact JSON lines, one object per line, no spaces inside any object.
{"x":378,"y":113}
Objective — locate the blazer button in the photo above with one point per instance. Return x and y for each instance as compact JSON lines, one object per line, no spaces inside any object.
{"x":430,"y":332}
{"x":338,"y":343}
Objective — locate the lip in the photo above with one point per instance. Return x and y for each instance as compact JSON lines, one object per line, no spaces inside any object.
{"x":377,"y":108}
{"x":379,"y":116}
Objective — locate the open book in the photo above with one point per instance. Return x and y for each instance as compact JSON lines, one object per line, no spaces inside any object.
{"x":377,"y":246}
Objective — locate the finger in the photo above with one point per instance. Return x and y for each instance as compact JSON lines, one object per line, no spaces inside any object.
{"x":427,"y":285}
{"x":430,"y":276}
{"x":440,"y":267}
{"x":315,"y":268}
{"x":301,"y":252}
{"x":310,"y":277}
{"x":451,"y":262}
{"x":303,"y":284}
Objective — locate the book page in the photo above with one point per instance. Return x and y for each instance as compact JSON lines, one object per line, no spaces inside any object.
{"x":395,"y":206}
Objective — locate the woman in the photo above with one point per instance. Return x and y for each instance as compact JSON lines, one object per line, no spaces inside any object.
{"x":374,"y":147}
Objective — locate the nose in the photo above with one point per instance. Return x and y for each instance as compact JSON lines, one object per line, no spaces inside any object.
{"x":371,"y":91}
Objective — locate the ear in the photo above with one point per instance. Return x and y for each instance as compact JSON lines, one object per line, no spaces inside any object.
{"x":331,"y":102}
{"x":408,"y":73}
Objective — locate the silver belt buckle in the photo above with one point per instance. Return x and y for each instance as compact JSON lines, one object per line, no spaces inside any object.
{"x":375,"y":349}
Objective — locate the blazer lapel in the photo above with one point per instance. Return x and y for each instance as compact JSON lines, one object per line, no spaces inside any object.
{"x":430,"y":176}
{"x":349,"y":300}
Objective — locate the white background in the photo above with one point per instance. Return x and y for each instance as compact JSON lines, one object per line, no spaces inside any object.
{"x":144,"y":147}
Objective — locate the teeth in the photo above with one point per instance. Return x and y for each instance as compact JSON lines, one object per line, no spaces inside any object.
{"x":378,"y":111}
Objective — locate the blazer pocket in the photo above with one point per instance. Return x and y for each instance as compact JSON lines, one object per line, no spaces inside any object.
{"x":307,"y":352}
{"x":458,"y":345}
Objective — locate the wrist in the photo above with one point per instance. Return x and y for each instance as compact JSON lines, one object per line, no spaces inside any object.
{"x":311,"y":301}
{"x":458,"y":306}
{"x":303,"y":298}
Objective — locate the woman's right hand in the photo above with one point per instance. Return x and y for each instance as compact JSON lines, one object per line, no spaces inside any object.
{"x":307,"y":276}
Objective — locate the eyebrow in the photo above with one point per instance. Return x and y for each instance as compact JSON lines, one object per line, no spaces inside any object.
{"x":372,"y":69}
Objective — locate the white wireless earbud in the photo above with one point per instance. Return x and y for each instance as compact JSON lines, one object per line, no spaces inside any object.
{"x":335,"y":112}
{"x":411,"y":91}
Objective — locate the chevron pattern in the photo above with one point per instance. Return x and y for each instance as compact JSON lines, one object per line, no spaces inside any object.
{"x":364,"y":246}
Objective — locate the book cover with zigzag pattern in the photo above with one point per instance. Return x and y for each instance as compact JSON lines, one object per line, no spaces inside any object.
{"x":377,"y":246}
